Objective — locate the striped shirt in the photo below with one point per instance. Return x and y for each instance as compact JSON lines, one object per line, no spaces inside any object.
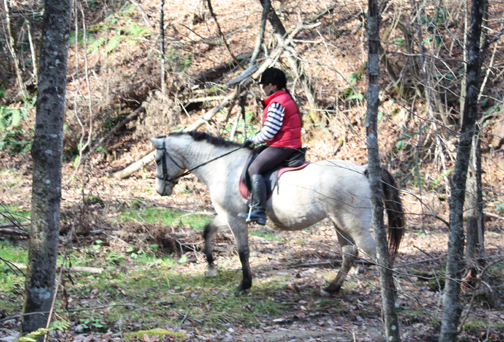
{"x":272,"y":125}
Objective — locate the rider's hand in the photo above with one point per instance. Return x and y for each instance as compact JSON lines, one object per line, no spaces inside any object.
{"x":247,"y":143}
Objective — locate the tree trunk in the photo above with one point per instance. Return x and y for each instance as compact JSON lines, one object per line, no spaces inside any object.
{"x":383,"y":256}
{"x":260,"y":36}
{"x":294,"y":61}
{"x":474,"y":205}
{"x":47,"y":159}
{"x":11,"y":44}
{"x":454,"y":267}
{"x":162,"y":48}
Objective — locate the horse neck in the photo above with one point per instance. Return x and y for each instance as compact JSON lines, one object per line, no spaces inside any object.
{"x":198,"y":153}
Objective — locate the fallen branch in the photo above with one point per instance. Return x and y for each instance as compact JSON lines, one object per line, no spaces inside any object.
{"x":71,"y":269}
{"x":420,"y":262}
{"x":16,"y":224}
{"x":8,"y":231}
{"x":493,"y":215}
{"x":331,"y":263}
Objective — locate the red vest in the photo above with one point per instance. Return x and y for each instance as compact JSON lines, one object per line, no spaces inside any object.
{"x":289,"y":134}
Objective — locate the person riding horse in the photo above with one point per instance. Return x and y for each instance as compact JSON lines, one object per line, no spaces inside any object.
{"x":281,"y":132}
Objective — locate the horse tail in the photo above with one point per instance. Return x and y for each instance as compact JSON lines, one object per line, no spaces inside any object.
{"x":394,"y":209}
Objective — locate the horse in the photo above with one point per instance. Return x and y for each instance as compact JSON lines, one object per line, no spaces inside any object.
{"x":334,"y":189}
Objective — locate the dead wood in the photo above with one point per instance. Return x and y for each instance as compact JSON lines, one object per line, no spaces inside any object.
{"x":12,"y":225}
{"x":16,"y":232}
{"x":139,"y":164}
{"x":493,"y":215}
{"x":71,"y":269}
{"x":217,"y":72}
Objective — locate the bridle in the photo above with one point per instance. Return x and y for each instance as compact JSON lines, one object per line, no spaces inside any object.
{"x":174,"y":180}
{"x":165,"y":177}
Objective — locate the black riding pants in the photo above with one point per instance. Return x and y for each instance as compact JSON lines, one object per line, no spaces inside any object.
{"x":269,"y":159}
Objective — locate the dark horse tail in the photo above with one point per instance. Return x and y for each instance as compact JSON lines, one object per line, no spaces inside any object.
{"x":395,"y":214}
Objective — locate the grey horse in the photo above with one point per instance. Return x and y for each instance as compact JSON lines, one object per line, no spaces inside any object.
{"x":334,"y":189}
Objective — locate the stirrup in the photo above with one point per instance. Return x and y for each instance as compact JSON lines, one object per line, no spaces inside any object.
{"x":248,"y":217}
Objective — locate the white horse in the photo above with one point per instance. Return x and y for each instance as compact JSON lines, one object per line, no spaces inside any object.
{"x":334,"y":189}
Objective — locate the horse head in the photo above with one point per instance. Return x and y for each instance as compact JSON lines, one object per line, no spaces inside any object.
{"x":168,"y":169}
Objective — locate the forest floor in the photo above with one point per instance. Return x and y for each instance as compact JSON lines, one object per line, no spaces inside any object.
{"x":289,"y":268}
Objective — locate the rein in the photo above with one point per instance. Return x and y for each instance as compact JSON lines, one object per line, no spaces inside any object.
{"x":174,"y":179}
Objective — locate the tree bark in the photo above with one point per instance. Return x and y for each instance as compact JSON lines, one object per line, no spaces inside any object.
{"x":382,"y":252}
{"x":475,"y":248}
{"x":47,"y":160}
{"x":455,"y":264}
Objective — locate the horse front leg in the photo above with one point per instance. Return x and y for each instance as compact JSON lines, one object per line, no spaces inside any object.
{"x":240,"y":232}
{"x":208,"y":234}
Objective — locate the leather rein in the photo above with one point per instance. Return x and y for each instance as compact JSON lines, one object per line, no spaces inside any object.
{"x":174,"y":180}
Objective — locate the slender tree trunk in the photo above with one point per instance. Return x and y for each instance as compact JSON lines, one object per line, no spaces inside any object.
{"x":260,"y":36}
{"x":11,"y":44}
{"x":383,"y":256}
{"x":292,"y":57}
{"x":47,"y":159}
{"x":455,"y":263}
{"x":474,"y":205}
{"x":162,"y":41}
{"x":32,"y":49}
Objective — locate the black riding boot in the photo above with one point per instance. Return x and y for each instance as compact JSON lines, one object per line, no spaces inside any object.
{"x":258,"y":201}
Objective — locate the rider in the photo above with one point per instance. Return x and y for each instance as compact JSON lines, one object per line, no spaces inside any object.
{"x":281,"y":132}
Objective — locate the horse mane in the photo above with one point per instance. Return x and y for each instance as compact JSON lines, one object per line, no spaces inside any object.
{"x":202,"y":136}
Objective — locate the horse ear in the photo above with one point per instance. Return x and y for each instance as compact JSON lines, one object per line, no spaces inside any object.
{"x":157,"y":142}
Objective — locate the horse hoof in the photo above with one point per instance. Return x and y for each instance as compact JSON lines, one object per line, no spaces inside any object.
{"x":211,"y":272}
{"x":241,"y":291}
{"x":327,"y":292}
{"x":324,"y":293}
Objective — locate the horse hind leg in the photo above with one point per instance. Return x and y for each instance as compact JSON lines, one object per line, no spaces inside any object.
{"x":349,"y":254}
{"x":208,"y":234}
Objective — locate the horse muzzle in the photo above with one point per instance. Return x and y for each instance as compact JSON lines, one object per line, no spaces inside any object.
{"x":164,"y":188}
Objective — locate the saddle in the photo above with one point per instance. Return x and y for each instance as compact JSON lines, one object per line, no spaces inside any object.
{"x":295,"y":162}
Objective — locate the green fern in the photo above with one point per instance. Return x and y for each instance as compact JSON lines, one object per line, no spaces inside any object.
{"x":137,"y":31}
{"x":32,"y":337}
{"x":93,"y":47}
{"x":60,"y":325}
{"x":113,"y":42}
{"x":56,"y":325}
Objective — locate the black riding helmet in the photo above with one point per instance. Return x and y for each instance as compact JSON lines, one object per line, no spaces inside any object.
{"x":274,"y":76}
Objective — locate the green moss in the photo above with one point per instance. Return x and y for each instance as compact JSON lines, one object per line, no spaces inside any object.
{"x":153,"y":332}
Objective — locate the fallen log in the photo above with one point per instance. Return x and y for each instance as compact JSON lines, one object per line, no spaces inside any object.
{"x":94,"y":270}
{"x":12,"y":225}
{"x":17,"y":232}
